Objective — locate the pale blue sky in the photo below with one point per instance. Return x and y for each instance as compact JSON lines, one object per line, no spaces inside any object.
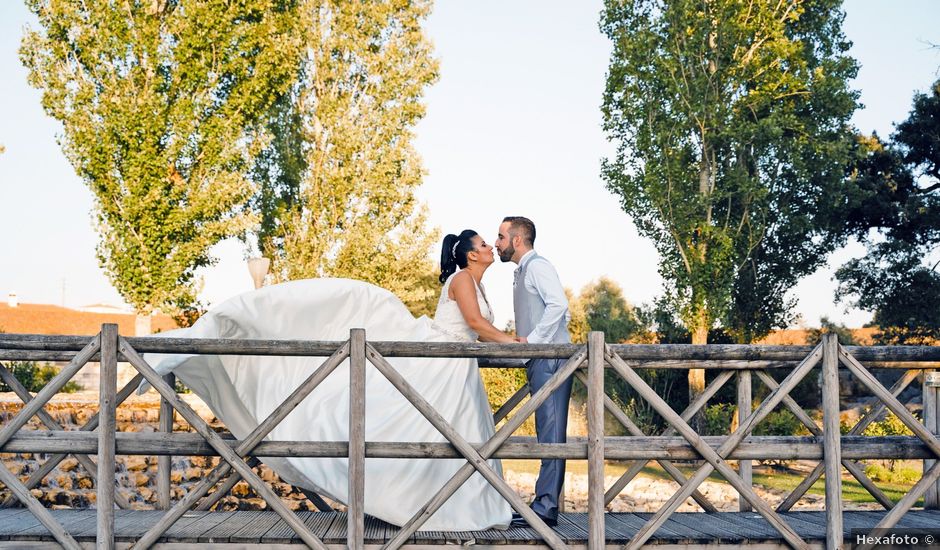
{"x":513,"y":127}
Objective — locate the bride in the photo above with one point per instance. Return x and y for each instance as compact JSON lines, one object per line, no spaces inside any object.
{"x":243,"y":390}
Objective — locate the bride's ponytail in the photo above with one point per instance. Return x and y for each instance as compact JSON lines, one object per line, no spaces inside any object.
{"x":454,"y":252}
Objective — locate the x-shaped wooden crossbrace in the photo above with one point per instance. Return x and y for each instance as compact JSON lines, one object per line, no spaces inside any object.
{"x":233,"y":459}
{"x":36,"y":477}
{"x":30,"y":409}
{"x":852,"y":466}
{"x":715,"y":459}
{"x":637,"y":465}
{"x":932,"y":441}
{"x":476,"y":459}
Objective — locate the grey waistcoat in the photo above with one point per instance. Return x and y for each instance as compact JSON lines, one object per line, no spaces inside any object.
{"x":529,"y":307}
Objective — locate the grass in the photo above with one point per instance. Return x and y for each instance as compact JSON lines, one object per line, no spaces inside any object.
{"x":770,"y":478}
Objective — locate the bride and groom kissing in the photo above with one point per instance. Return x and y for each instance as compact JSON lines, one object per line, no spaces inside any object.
{"x":540,"y":309}
{"x":243,"y":390}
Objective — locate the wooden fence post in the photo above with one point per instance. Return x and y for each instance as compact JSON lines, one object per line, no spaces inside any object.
{"x":931,"y":393}
{"x":745,"y":469}
{"x":355,"y":533}
{"x":107,"y":425}
{"x":165,"y":462}
{"x":832,"y":439}
{"x":595,"y":418}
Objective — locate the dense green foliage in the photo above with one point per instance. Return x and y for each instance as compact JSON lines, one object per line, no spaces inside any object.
{"x":731,"y":126}
{"x":336,"y":184}
{"x":159,"y":103}
{"x":897,"y":215}
{"x":35,"y":376}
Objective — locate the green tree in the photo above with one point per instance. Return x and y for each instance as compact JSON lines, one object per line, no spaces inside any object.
{"x":605,"y":309}
{"x":337,"y":183}
{"x":842,"y":332}
{"x":159,"y":103}
{"x":577,"y":325}
{"x":898,"y":217}
{"x":719,"y":111}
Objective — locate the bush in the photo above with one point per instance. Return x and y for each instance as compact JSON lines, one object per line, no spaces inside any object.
{"x":890,"y":425}
{"x":500,"y":385}
{"x":890,"y":474}
{"x":718,"y":418}
{"x":34,"y":377}
{"x":782,"y":422}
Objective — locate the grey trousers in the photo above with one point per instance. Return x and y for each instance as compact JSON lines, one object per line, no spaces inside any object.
{"x":551,"y":423}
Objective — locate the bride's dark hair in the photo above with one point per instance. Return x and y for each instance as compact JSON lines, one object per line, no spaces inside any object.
{"x":454,"y":252}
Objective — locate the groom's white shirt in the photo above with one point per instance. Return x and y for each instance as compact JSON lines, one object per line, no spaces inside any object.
{"x":542,"y":279}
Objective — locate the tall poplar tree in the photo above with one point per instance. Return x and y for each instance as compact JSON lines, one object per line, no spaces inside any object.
{"x":337,"y":183}
{"x":159,"y":103}
{"x":723,"y":112}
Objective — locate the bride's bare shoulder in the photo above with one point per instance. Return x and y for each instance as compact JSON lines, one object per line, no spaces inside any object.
{"x":460,"y":283}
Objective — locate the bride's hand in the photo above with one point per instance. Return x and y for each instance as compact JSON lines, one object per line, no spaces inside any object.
{"x":521,"y":339}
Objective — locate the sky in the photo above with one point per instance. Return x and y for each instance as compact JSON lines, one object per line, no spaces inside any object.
{"x":513,"y":127}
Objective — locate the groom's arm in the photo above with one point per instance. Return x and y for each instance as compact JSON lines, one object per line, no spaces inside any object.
{"x":542,"y":277}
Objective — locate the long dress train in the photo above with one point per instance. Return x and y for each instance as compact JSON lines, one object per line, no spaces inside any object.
{"x":243,"y":390}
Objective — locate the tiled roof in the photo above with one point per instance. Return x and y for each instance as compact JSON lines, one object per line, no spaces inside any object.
{"x":50,"y":319}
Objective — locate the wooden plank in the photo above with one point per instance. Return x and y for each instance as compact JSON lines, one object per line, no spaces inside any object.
{"x":10,"y":343}
{"x":686,"y":533}
{"x":10,"y":519}
{"x":575,"y":532}
{"x":107,"y":426}
{"x":616,"y":531}
{"x":932,"y":423}
{"x":595,"y":422}
{"x":357,"y":439}
{"x":37,"y":531}
{"x":686,"y":527}
{"x":281,"y":532}
{"x":193,"y":532}
{"x":745,"y":467}
{"x":751,"y":524}
{"x":255,"y":529}
{"x":336,"y":534}
{"x":165,"y":462}
{"x":832,"y":450}
{"x":131,"y":524}
{"x":188,"y":520}
{"x":808,"y":529}
{"x":707,"y":528}
{"x":375,"y":530}
{"x":615,"y":447}
{"x":89,"y":526}
{"x":222,"y":531}
{"x":635,"y":521}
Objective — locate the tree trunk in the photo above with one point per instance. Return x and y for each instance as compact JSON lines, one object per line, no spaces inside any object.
{"x":697,"y":376}
{"x":143,"y":324}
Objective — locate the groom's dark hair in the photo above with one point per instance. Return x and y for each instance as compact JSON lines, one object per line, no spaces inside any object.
{"x":523,"y":227}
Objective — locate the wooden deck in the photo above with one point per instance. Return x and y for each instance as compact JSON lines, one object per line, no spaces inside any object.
{"x":19,"y":529}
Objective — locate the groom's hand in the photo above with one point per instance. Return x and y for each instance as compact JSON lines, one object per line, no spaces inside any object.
{"x":521,"y":339}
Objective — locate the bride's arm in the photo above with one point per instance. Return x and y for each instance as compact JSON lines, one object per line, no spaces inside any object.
{"x":465,"y":293}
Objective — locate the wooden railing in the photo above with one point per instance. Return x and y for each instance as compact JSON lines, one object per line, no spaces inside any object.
{"x":835,"y":451}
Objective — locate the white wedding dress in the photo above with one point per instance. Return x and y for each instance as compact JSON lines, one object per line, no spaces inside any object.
{"x":243,"y":390}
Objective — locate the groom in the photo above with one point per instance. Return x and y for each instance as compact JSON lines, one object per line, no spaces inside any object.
{"x":541,"y":310}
